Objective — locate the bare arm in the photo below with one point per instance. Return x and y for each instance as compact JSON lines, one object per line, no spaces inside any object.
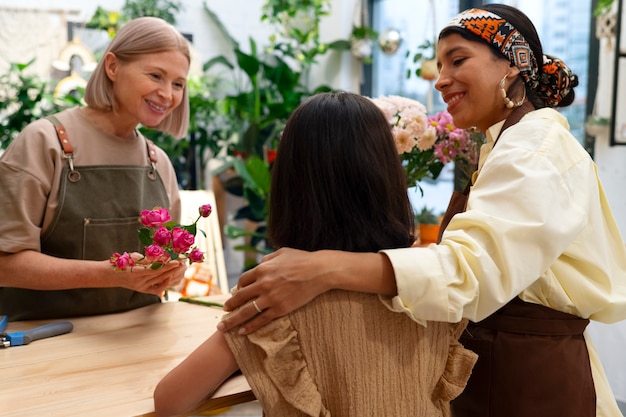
{"x":34,"y":270}
{"x":288,"y":279}
{"x":195,"y":378}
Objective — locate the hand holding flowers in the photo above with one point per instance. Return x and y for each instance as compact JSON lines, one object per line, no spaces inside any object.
{"x":164,"y":240}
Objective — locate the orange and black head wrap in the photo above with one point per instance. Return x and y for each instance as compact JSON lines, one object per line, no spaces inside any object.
{"x":552,"y":81}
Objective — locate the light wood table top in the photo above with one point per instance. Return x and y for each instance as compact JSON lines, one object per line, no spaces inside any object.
{"x":109,"y":365}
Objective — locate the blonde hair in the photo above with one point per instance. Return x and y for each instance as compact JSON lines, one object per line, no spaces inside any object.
{"x":141,"y":36}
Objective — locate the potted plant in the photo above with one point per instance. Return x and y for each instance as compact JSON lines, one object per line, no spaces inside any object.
{"x":428,"y":223}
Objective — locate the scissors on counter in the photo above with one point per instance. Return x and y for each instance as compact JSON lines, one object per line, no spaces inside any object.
{"x":27,"y":336}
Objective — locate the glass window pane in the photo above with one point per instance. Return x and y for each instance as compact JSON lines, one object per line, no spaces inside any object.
{"x":563,"y":28}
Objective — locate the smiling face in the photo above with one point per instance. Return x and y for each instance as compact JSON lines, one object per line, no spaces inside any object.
{"x":469,"y":81}
{"x":148,"y":89}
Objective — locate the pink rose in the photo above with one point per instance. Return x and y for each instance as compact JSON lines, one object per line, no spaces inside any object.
{"x":205,"y":210}
{"x":155,"y":218}
{"x":155,"y":253}
{"x":181,"y":240}
{"x":162,"y":236}
{"x":122,"y":262}
{"x":196,"y":255}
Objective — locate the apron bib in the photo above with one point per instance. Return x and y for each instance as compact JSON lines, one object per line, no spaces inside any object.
{"x":92,"y":222}
{"x":532,"y":360}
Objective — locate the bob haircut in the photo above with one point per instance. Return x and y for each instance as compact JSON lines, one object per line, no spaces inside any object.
{"x":337,"y":181}
{"x":141,"y":36}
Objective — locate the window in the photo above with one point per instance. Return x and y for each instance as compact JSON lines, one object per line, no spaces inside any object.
{"x":563,"y":27}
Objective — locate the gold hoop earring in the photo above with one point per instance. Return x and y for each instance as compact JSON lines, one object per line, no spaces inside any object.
{"x":508,"y":103}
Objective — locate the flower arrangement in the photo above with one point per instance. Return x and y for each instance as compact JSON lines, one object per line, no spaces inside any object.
{"x":426,"y":143}
{"x":164,"y":240}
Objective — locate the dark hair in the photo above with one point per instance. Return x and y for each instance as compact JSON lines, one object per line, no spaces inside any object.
{"x":525,"y":26}
{"x":337,"y":181}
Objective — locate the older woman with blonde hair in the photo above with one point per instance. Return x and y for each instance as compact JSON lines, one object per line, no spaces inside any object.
{"x":73,"y":184}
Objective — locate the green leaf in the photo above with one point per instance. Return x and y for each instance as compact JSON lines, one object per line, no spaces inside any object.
{"x":255,"y":174}
{"x":340,"y":45}
{"x":234,"y":232}
{"x":145,"y":236}
{"x":248,"y":63}
{"x":191,"y":228}
{"x":217,"y":60}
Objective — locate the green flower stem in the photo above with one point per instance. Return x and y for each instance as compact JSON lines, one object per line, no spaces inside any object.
{"x":201,"y":302}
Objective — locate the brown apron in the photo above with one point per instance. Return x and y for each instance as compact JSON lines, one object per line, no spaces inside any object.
{"x":97,"y":216}
{"x":532,"y":360}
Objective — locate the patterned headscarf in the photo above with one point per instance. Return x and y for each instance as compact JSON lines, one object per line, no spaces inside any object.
{"x":553,"y":81}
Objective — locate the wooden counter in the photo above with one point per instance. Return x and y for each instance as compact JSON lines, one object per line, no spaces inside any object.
{"x":108,"y":365}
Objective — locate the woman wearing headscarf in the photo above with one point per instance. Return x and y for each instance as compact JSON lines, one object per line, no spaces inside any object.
{"x":531,"y":252}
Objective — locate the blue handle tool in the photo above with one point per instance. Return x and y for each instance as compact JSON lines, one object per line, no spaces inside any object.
{"x":27,"y":336}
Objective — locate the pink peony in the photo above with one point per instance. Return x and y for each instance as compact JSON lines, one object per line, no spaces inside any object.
{"x":155,"y":253}
{"x":196,"y":255}
{"x":122,"y":262}
{"x":182,"y":240}
{"x":155,"y":218}
{"x":162,"y":236}
{"x":163,"y":239}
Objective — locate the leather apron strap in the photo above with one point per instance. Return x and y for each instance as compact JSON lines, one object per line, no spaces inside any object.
{"x":92,"y":222}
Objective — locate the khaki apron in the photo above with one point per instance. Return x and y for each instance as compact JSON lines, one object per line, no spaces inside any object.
{"x":532,"y":360}
{"x":97,"y":216}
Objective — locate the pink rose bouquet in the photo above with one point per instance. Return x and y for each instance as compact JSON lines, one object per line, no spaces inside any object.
{"x":426,"y":143}
{"x":164,"y":240}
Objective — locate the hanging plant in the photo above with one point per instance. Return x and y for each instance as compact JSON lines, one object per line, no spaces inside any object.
{"x":424,"y":61}
{"x":603,"y":7}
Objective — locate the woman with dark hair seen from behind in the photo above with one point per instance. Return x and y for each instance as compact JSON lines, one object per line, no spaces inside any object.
{"x":72,"y":185}
{"x":530,"y":253}
{"x":337,"y":183}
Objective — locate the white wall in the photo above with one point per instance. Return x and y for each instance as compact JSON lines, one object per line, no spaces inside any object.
{"x":611,"y":160}
{"x":240,"y":17}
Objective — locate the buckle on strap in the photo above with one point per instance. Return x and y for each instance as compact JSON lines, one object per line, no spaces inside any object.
{"x":66,"y":145}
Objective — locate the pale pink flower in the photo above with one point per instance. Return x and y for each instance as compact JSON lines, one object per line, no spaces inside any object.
{"x":404,"y":141}
{"x":406,"y":117}
{"x":425,"y":143}
{"x":427,"y":140}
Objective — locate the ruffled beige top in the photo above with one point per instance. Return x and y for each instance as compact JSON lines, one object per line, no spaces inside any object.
{"x":346,"y":354}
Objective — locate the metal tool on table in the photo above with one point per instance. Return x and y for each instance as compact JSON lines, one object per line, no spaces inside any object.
{"x":27,"y":336}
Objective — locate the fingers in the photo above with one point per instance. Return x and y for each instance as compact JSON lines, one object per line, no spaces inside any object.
{"x":250,"y":316}
{"x":252,"y":275}
{"x":256,"y":306}
{"x":155,"y":281}
{"x":239,"y":298}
